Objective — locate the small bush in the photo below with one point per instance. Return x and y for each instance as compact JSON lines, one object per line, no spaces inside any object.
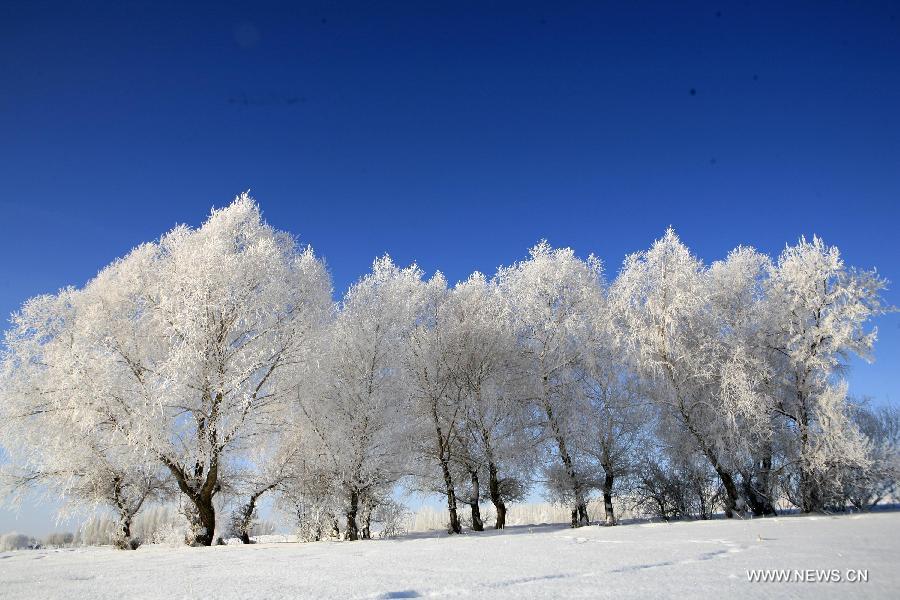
{"x":16,"y":541}
{"x":59,"y":539}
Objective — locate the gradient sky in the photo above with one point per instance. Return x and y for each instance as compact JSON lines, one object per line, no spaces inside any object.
{"x":450,"y":133}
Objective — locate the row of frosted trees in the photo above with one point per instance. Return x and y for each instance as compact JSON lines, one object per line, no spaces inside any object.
{"x":214,"y":365}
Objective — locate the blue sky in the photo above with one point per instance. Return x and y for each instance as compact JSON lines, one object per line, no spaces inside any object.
{"x":454,"y":134}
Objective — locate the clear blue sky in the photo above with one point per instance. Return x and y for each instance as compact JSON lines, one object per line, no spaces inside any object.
{"x":454,"y":134}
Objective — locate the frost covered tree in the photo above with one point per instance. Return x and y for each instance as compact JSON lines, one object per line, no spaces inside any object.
{"x":553,"y":297}
{"x":461,"y":378}
{"x":47,"y":455}
{"x":736,"y":295}
{"x":435,"y":402}
{"x":863,"y":488}
{"x":269,"y":467}
{"x":818,"y":309}
{"x":615,"y":424}
{"x":673,"y":338}
{"x":358,"y":411}
{"x":312,"y":495}
{"x":494,"y":432}
{"x":745,"y":356}
{"x":179,"y":349}
{"x":48,"y":450}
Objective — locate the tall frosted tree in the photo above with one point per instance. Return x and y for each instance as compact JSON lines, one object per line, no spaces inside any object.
{"x":553,"y":297}
{"x":358,"y":411}
{"x":435,"y":407}
{"x":819,"y":309}
{"x":180,"y":348}
{"x":46,"y":445}
{"x":662,"y":298}
{"x":740,"y":361}
{"x":484,"y":366}
{"x":47,"y":451}
{"x":464,"y":383}
{"x":614,"y":425}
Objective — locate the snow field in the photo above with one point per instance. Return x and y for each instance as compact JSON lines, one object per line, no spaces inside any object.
{"x":699,"y":559}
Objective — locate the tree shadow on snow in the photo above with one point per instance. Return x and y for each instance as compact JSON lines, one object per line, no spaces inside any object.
{"x":488,"y":532}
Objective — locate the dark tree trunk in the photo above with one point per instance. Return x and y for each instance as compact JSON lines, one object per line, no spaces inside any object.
{"x":207,"y":520}
{"x":731,"y":491}
{"x":199,"y":485}
{"x":477,"y":523}
{"x":764,"y":487}
{"x":126,"y":528}
{"x":203,"y":520}
{"x":496,"y":497}
{"x":757,"y":486}
{"x":455,"y":527}
{"x":245,"y":519}
{"x":705,"y":513}
{"x":494,"y":481}
{"x":443,"y":456}
{"x":352,"y":530}
{"x":335,"y":527}
{"x":608,"y":481}
{"x":810,"y":494}
{"x":579,"y":510}
{"x":123,"y":539}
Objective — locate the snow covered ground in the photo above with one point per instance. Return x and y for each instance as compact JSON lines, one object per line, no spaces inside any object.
{"x":694,"y":559}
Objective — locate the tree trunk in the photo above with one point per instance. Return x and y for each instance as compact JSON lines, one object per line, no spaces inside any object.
{"x":123,"y":539}
{"x":204,"y":520}
{"x":126,"y":528}
{"x":199,"y":488}
{"x":443,"y":456}
{"x":757,"y":485}
{"x":245,"y":519}
{"x":810,"y":494}
{"x":335,"y":528}
{"x":496,"y":497}
{"x":455,"y":527}
{"x":764,"y":485}
{"x":579,"y":510}
{"x":477,"y":523}
{"x":705,"y":514}
{"x":352,"y":530}
{"x":731,"y":491}
{"x":366,"y":533}
{"x":608,"y":481}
